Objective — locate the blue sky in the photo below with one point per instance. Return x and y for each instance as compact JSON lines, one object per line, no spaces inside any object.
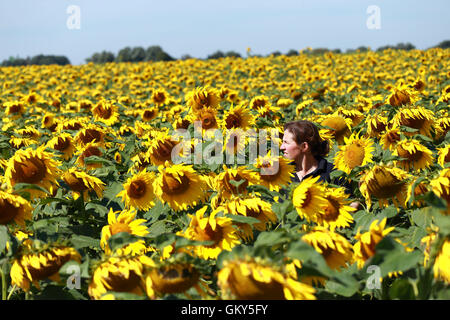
{"x":199,"y":28}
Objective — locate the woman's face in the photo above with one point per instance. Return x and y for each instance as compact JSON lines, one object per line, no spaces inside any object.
{"x":291,"y":150}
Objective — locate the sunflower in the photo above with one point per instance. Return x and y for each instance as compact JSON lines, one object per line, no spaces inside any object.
{"x":49,"y":122}
{"x":416,"y":117}
{"x":235,"y":142}
{"x":420,"y":189}
{"x":354,"y":115}
{"x":14,"y":109}
{"x":138,"y":191}
{"x":259,"y":102}
{"x":417,"y":156}
{"x":402,"y":95}
{"x":34,"y":167}
{"x":14,"y":208}
{"x":149,"y":114}
{"x":235,"y":180}
{"x":441,"y":267}
{"x":390,"y":138}
{"x":355,"y":152}
{"x":106,"y":112}
{"x":179,"y":186}
{"x":82,"y":183}
{"x":71,"y":124}
{"x":89,"y":150}
{"x":249,"y":278}
{"x":444,"y":155}
{"x":202,"y":97}
{"x":120,"y":274}
{"x":124,"y":222}
{"x":207,"y":117}
{"x":91,"y":133}
{"x":218,"y":230}
{"x":336,"y":250}
{"x":160,"y":97}
{"x":269,"y":112}
{"x":250,"y":206}
{"x":340,"y":126}
{"x":376,"y":124}
{"x":275,"y":172}
{"x":172,"y":278}
{"x":384,"y":183}
{"x":64,"y":144}
{"x":442,"y":126}
{"x":440,"y":186}
{"x":31,"y":267}
{"x":237,"y":117}
{"x":365,"y":247}
{"x":337,"y":212}
{"x":308,"y":199}
{"x":160,"y":148}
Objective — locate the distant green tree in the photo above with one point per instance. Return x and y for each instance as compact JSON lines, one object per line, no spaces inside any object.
{"x":102,"y":57}
{"x":124,"y":55}
{"x":275,"y":53}
{"x":444,"y":44}
{"x":233,"y":54}
{"x":292,"y":52}
{"x":216,"y":55}
{"x":36,"y":60}
{"x":156,"y":53}
{"x":137,"y":54}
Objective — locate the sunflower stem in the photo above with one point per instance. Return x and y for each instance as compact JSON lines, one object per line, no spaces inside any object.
{"x":3,"y":275}
{"x":11,"y":292}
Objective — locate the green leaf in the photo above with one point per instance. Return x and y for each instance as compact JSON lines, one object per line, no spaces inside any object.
{"x":121,"y":239}
{"x":157,"y":228}
{"x":402,"y":289}
{"x":3,"y":237}
{"x":96,"y":159}
{"x":80,"y":241}
{"x":25,"y":186}
{"x":270,"y":239}
{"x":343,"y":284}
{"x":242,"y":219}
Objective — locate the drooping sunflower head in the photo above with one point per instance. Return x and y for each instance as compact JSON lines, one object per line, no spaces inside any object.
{"x":376,"y":124}
{"x":259,"y":102}
{"x":14,"y":109}
{"x":416,"y":117}
{"x":172,"y":278}
{"x":82,"y":183}
{"x":160,"y":148}
{"x":138,"y":191}
{"x":34,"y":167}
{"x":384,"y":183}
{"x":120,"y":274}
{"x":390,"y":138}
{"x":217,"y":230}
{"x":249,"y":206}
{"x":149,"y":114}
{"x":248,"y":278}
{"x":89,"y":150}
{"x":179,"y":186}
{"x":124,"y":221}
{"x":275,"y":172}
{"x":14,"y":208}
{"x":235,"y":180}
{"x":340,"y":126}
{"x":444,"y":155}
{"x":416,"y":156}
{"x":63,"y":143}
{"x":34,"y":266}
{"x":91,"y":133}
{"x":441,"y":268}
{"x":207,"y":118}
{"x":106,"y":112}
{"x":308,"y":199}
{"x":356,"y":151}
{"x":365,"y":247}
{"x":440,"y":186}
{"x":336,"y":249}
{"x":49,"y":121}
{"x":202,"y":97}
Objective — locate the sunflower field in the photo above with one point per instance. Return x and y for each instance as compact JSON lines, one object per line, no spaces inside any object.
{"x":93,"y":205}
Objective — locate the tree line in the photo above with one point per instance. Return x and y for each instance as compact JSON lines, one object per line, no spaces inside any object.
{"x":156,"y":53}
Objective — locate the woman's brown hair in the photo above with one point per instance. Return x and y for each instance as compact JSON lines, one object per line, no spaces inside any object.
{"x":306,"y":131}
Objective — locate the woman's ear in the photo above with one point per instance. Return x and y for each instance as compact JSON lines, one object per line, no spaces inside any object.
{"x":304,"y":146}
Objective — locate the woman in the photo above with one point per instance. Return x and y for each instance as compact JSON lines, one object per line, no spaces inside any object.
{"x":303,"y":145}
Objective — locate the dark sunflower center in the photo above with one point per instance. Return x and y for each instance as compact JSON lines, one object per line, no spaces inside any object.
{"x":119,"y":283}
{"x":173,"y":186}
{"x":137,"y":189}
{"x":89,"y":135}
{"x":7,"y":211}
{"x":62,"y":144}
{"x":233,"y":121}
{"x":31,"y":171}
